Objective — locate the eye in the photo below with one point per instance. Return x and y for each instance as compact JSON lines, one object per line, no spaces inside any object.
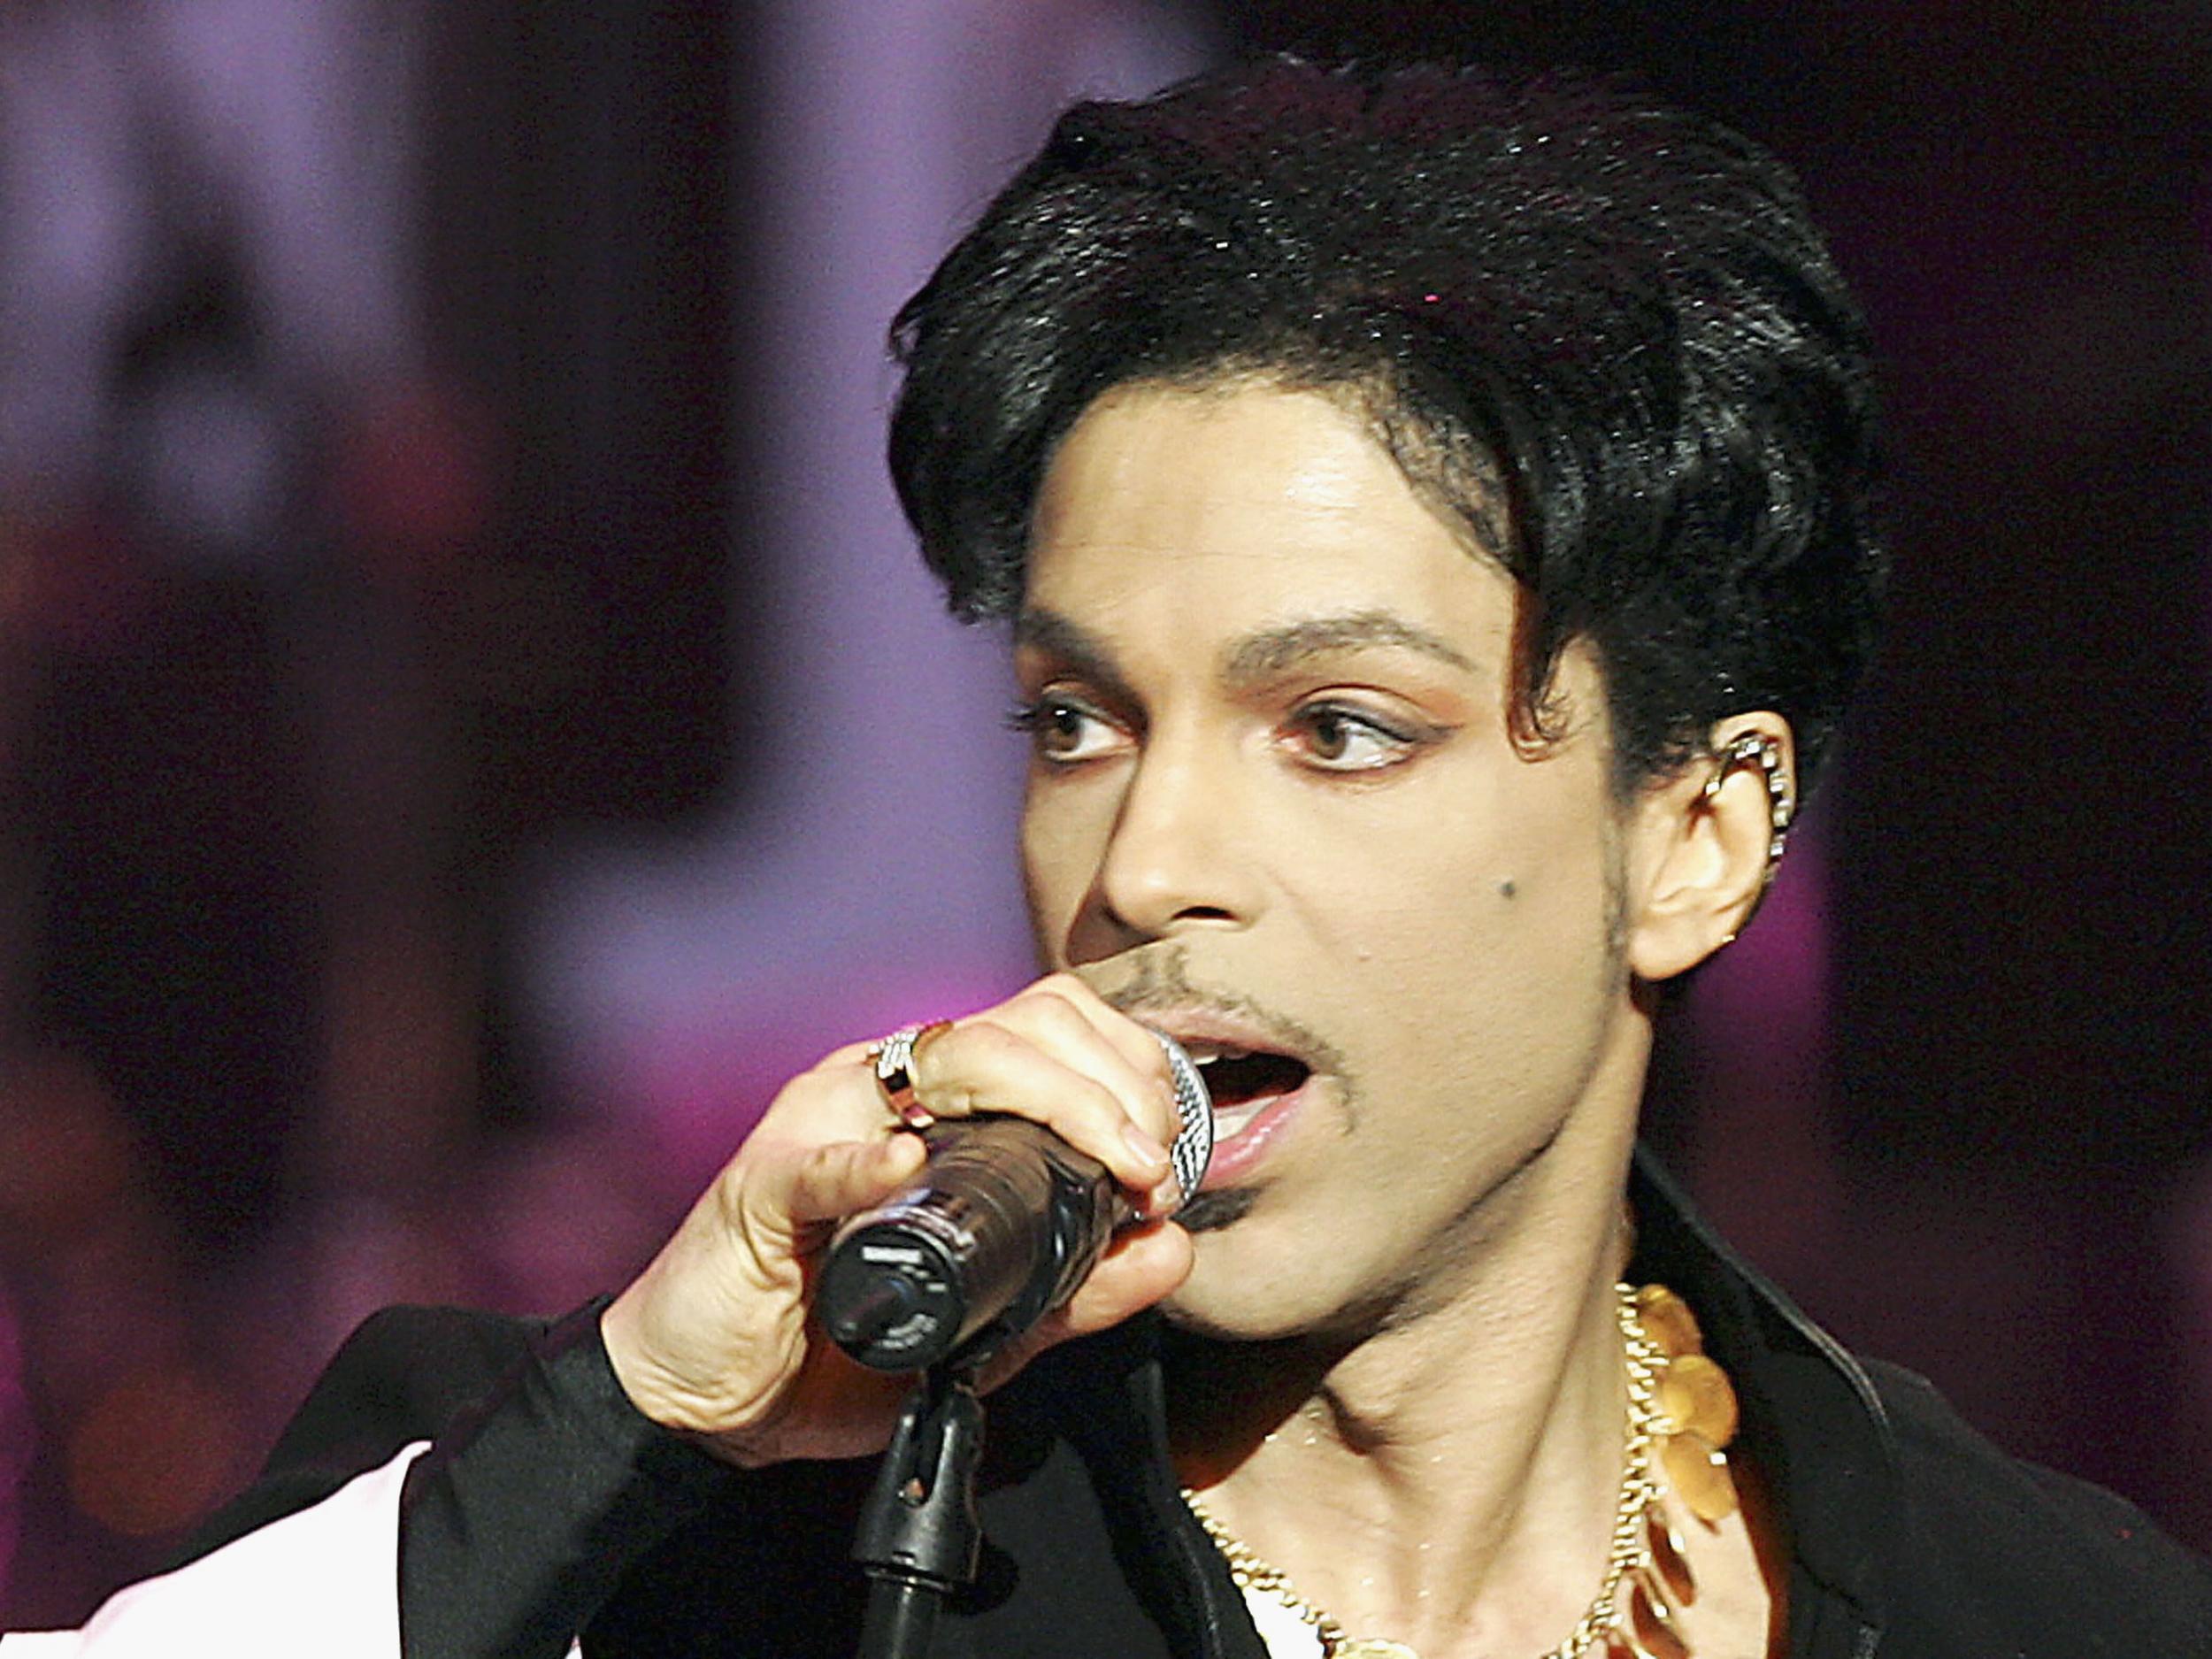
{"x":1064,"y":730}
{"x":1335,"y":737}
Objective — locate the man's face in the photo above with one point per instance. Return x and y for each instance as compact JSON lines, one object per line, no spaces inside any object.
{"x":1276,"y":806}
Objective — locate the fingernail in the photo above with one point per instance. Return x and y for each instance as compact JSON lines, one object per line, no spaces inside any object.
{"x":1163,"y":1199}
{"x":1143,"y":1145}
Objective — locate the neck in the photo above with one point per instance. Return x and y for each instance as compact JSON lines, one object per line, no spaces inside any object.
{"x":1448,"y":1473}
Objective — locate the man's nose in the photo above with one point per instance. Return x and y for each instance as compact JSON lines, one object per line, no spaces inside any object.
{"x":1178,"y":856}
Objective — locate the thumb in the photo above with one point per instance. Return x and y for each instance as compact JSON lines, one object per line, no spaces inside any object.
{"x":828,"y":1183}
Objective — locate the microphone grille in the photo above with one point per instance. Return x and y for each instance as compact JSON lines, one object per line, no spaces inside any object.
{"x":1193,"y":1147}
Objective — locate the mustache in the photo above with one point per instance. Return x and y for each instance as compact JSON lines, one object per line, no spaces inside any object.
{"x":1156,"y":979}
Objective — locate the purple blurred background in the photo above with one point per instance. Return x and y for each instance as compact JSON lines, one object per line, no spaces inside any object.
{"x":464,"y":687}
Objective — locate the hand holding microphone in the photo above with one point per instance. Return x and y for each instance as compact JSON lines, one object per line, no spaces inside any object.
{"x":1000,"y":1225}
{"x":720,"y":1337}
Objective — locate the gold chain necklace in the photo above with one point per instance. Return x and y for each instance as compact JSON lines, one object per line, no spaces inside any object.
{"x":1681,"y":1414}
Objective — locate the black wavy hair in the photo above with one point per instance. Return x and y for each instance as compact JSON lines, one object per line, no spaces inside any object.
{"x":1604,"y":333}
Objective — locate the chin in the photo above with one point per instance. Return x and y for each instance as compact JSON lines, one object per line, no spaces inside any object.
{"x":1243,"y":1288}
{"x":1201,"y":1315}
{"x":1280,"y":1323}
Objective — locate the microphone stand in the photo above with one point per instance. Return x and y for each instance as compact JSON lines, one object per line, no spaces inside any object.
{"x":919,"y":1535}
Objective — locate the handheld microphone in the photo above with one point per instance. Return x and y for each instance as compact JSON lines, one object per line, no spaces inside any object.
{"x":998,"y":1227}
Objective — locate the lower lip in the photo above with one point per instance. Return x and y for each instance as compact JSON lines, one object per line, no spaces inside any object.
{"x":1239,"y":1154}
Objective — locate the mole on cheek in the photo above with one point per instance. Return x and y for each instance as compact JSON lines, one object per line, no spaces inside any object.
{"x":1508,"y":888}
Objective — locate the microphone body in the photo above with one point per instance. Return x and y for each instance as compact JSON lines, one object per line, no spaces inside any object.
{"x":1000,"y":1225}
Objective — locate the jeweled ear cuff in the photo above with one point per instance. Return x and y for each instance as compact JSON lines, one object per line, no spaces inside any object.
{"x":1758,"y":748}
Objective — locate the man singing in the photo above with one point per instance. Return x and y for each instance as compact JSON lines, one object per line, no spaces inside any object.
{"x":1431,"y":515}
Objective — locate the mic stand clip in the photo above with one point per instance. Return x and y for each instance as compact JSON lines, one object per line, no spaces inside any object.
{"x":919,"y":1536}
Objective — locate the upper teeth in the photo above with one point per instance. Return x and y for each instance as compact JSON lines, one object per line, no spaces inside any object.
{"x":1207,"y":1053}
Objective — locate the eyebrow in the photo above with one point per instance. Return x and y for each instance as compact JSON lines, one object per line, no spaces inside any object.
{"x":1271,"y":650}
{"x":1068,"y":641}
{"x":1254,"y":657}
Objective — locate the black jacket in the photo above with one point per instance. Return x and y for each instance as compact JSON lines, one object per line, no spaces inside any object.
{"x":548,"y":1506}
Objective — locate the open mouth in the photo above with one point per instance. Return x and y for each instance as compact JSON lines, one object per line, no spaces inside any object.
{"x":1243,"y":1082}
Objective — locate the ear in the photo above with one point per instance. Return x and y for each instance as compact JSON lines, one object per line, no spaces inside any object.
{"x":1705,"y":842}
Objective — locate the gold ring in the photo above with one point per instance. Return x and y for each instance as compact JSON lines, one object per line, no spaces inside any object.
{"x":893,"y":1060}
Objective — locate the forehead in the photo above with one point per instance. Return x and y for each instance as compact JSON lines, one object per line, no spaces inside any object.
{"x":1224,"y":508}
